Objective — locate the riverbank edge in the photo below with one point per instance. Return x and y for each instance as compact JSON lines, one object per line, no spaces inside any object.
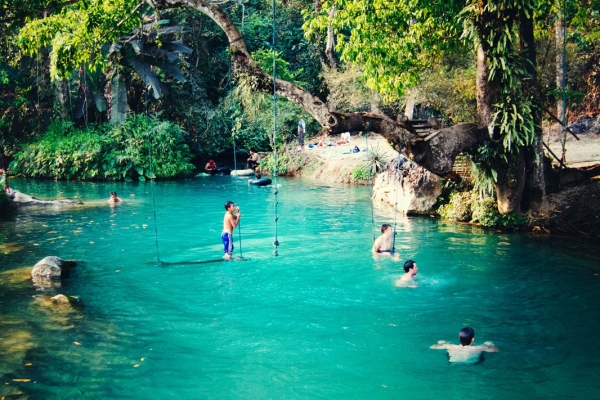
{"x":574,"y":210}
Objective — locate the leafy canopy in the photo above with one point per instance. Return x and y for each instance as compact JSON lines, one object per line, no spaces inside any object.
{"x":392,"y":40}
{"x":77,"y":32}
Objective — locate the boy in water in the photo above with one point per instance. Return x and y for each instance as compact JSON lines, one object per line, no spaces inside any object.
{"x":465,"y":352}
{"x":410,"y":270}
{"x":230,"y":222}
{"x":383,"y":243}
{"x":113,"y":198}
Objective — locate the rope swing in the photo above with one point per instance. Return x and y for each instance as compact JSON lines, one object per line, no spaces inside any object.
{"x":370,"y":186}
{"x":144,"y":78}
{"x":276,"y":191}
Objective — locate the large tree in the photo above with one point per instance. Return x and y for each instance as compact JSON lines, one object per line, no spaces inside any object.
{"x":392,"y":41}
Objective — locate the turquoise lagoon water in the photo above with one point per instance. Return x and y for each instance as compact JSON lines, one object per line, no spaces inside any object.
{"x":323,"y":320}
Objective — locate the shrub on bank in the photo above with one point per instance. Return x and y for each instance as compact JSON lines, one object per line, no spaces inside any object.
{"x":107,"y":152}
{"x":471,"y":207}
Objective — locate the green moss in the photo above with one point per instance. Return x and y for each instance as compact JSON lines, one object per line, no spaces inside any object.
{"x":471,"y":207}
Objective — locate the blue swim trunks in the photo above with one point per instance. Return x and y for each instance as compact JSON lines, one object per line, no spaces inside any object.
{"x":227,"y":242}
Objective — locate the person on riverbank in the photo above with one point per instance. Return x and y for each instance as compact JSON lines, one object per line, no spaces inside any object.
{"x":253,"y":160}
{"x":4,"y":180}
{"x":465,"y":351}
{"x":113,"y":198}
{"x":230,"y":222}
{"x":410,"y":270}
{"x":344,"y":138}
{"x":210,"y":166}
{"x":383,"y":244}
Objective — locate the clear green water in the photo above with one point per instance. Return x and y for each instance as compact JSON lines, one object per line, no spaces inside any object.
{"x":324,"y":320}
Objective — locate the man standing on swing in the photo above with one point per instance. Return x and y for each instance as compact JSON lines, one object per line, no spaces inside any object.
{"x":230,"y":222}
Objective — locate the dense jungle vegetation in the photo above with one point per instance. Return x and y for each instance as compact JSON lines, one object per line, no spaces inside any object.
{"x":83,"y":68}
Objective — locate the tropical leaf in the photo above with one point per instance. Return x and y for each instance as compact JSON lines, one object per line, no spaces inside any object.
{"x":147,"y":75}
{"x":173,"y":46}
{"x":170,"y":69}
{"x":100,"y":101}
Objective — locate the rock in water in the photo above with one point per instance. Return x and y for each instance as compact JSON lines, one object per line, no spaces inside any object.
{"x":24,"y":200}
{"x":51,"y":267}
{"x":417,"y":189}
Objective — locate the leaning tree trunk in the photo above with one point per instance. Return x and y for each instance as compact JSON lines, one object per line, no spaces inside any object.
{"x":436,"y":153}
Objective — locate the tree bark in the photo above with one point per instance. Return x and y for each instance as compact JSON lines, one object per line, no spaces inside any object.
{"x":330,"y":47}
{"x":534,"y":192}
{"x":560,"y":60}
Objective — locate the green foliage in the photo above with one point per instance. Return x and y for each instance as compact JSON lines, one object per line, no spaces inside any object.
{"x":392,"y":41}
{"x":376,"y":159}
{"x":267,"y":163}
{"x":107,"y":152}
{"x":450,"y":88}
{"x":472,"y":207}
{"x":458,"y":209}
{"x":360,"y":172}
{"x":77,"y":33}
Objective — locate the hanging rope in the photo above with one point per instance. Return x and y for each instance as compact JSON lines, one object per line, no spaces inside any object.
{"x":564,"y":84}
{"x":396,"y":203}
{"x":370,"y":185}
{"x":234,"y":158}
{"x":148,"y":138}
{"x":276,"y":191}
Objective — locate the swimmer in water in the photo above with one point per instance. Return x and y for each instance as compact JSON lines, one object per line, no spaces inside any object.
{"x":383,"y":244}
{"x":465,"y":351}
{"x":113,"y":198}
{"x":230,"y":222}
{"x":410,"y":270}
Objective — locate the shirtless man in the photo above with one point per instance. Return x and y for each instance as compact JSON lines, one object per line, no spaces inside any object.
{"x":253,"y":160}
{"x":383,"y":243}
{"x":230,"y":222}
{"x":410,"y":270}
{"x":113,"y":198}
{"x":465,"y":351}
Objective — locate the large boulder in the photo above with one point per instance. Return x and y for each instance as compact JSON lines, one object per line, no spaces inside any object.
{"x":51,"y":268}
{"x":414,"y":188}
{"x":24,"y":200}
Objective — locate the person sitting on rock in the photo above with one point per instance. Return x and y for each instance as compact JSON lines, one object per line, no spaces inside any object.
{"x":383,"y":244}
{"x":113,"y":198}
{"x":253,"y":160}
{"x":210,"y":166}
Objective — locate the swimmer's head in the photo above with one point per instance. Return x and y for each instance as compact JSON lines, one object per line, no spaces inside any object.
{"x":258,"y":175}
{"x":113,"y":194}
{"x":466,"y":336}
{"x":229,"y":205}
{"x":410,"y":264}
{"x":385,"y":227}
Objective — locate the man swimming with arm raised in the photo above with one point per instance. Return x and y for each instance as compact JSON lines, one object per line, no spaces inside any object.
{"x":465,"y":351}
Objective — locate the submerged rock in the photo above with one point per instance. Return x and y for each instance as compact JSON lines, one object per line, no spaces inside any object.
{"x":11,"y":247}
{"x":24,"y":200}
{"x":51,"y":268}
{"x":414,"y":188}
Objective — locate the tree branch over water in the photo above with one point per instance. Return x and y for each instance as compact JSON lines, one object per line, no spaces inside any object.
{"x":437,"y":154}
